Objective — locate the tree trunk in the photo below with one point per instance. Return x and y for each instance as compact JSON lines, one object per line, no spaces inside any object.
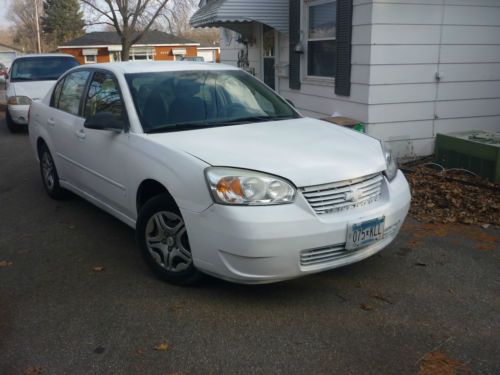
{"x":125,"y":50}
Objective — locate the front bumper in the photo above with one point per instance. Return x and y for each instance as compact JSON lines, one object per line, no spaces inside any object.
{"x":19,"y":113}
{"x":265,"y":244}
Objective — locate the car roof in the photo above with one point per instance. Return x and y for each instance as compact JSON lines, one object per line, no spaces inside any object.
{"x":35,"y":55}
{"x":158,"y":66}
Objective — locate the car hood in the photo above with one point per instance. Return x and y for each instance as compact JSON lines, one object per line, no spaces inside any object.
{"x":34,"y":90}
{"x":305,"y":151}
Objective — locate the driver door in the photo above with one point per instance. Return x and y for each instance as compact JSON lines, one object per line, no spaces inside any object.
{"x":103,"y":153}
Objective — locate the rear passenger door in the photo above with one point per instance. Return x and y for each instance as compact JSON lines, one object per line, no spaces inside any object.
{"x":65,"y":122}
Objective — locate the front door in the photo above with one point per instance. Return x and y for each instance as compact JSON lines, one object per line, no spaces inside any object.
{"x":268,"y":51}
{"x":102,"y":154}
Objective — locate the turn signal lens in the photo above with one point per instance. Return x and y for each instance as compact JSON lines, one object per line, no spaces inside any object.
{"x":242,"y":187}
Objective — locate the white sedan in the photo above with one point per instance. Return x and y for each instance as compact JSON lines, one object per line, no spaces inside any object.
{"x":216,"y":172}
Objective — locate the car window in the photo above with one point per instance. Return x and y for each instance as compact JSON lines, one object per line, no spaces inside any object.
{"x":104,"y":96}
{"x":170,"y":101}
{"x":72,"y":90}
{"x":54,"y":101}
{"x":47,"y":68}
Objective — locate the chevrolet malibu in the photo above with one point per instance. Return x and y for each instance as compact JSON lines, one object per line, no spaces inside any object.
{"x":216,"y":172}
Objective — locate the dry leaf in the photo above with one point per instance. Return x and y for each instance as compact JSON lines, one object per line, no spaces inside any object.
{"x":437,"y":363}
{"x":382,"y":298}
{"x":452,"y":197}
{"x":161,"y":347}
{"x":367,"y":307}
{"x":98,"y":268}
{"x":33,"y":371}
{"x":4,"y":263}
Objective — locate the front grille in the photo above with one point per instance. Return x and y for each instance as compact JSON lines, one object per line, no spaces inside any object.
{"x":344,"y":195}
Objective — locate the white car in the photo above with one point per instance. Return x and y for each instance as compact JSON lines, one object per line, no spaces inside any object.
{"x":30,"y":78}
{"x":216,"y":172}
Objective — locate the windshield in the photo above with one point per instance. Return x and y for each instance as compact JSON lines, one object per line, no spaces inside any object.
{"x":41,"y":68}
{"x":184,"y":100}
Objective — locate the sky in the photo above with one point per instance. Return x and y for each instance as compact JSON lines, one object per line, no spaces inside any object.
{"x":4,"y":6}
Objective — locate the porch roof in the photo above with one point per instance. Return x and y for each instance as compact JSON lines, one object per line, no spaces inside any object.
{"x":223,"y":13}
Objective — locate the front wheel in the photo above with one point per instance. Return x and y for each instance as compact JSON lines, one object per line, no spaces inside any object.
{"x":163,"y":240}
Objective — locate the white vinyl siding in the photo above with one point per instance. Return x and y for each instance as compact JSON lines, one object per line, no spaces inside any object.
{"x":411,"y":41}
{"x":398,"y":47}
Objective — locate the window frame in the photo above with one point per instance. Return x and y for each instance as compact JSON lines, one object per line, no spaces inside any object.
{"x":87,"y":61}
{"x":306,"y":40}
{"x":84,"y":92}
{"x":83,"y":104}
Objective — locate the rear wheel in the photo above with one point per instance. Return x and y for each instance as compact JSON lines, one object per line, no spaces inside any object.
{"x":164,"y":243}
{"x":11,"y":125}
{"x":50,"y":178}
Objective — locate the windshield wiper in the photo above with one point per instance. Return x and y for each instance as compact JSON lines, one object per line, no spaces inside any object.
{"x":14,"y":79}
{"x":250,"y":119}
{"x":176,"y":127}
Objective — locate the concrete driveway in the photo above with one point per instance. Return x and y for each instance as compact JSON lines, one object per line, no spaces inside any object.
{"x":76,"y":298}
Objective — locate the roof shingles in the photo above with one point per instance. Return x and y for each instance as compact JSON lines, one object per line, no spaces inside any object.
{"x":107,"y":38}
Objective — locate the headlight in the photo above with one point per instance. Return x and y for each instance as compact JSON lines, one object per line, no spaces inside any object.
{"x":392,"y":166}
{"x":244,"y":187}
{"x":18,"y":100}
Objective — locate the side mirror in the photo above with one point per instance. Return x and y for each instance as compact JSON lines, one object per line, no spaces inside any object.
{"x":104,"y":121}
{"x":290,"y":102}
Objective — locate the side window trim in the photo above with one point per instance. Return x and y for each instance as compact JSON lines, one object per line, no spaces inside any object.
{"x":83,"y":99}
{"x":53,"y":103}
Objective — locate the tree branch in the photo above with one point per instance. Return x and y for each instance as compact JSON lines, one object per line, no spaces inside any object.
{"x":151,"y":21}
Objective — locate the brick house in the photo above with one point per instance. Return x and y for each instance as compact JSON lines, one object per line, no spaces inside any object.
{"x":104,"y":46}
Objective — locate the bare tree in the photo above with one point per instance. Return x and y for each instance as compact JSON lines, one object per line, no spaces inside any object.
{"x":131,"y":19}
{"x":23,"y":16}
{"x":175,"y":18}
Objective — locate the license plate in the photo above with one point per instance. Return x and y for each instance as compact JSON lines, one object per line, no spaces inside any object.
{"x":365,"y":233}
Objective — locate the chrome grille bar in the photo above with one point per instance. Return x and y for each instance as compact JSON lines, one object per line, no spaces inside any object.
{"x":342,"y":195}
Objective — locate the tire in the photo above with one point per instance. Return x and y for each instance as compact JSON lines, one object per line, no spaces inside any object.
{"x":11,"y":125}
{"x":163,"y":240}
{"x":50,"y":178}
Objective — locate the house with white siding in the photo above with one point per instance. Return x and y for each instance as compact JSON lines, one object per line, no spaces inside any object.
{"x":407,"y":69}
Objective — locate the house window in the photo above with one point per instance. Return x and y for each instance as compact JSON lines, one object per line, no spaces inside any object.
{"x":321,"y":38}
{"x":146,"y":54}
{"x":90,"y":59}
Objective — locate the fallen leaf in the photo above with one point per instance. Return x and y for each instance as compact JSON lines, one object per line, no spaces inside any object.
{"x":161,"y":347}
{"x":98,"y":268}
{"x":4,"y":263}
{"x":437,"y":363}
{"x":33,"y":371}
{"x":382,"y":298}
{"x":140,"y":351}
{"x":367,"y":307}
{"x":99,"y":350}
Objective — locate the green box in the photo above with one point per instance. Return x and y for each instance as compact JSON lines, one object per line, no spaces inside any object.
{"x":476,"y":151}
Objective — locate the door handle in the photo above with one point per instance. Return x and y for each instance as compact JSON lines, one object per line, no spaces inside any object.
{"x":81,"y":134}
{"x":51,"y":122}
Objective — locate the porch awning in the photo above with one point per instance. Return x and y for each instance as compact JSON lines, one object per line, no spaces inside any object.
{"x":224,"y":13}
